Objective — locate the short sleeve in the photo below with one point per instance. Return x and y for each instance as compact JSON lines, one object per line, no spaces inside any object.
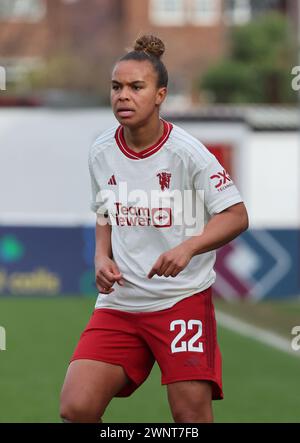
{"x":219,"y":189}
{"x":96,"y":204}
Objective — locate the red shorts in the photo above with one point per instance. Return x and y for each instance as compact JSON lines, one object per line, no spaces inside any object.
{"x":182,"y":339}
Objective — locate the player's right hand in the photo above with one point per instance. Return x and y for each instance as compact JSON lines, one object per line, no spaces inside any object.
{"x":106,"y":274}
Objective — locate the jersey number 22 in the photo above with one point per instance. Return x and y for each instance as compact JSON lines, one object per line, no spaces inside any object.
{"x":183,"y":345}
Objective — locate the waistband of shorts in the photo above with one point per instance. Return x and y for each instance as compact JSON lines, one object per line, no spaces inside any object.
{"x":205,"y":292}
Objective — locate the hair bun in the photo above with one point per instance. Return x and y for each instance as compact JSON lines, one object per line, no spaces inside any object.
{"x":150,"y":44}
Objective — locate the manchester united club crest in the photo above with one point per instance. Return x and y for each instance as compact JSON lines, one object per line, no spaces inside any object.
{"x":164,"y":180}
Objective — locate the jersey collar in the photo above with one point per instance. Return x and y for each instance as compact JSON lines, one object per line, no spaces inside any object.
{"x":120,"y":139}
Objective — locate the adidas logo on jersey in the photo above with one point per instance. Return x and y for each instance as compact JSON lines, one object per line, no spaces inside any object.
{"x":112,"y":180}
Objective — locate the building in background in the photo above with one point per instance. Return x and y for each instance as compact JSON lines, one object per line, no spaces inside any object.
{"x":97,"y":32}
{"x":33,"y":32}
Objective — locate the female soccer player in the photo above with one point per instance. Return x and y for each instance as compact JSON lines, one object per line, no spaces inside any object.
{"x":153,"y":274}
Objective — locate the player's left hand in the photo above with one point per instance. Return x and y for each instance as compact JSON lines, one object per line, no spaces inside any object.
{"x":172,"y":262}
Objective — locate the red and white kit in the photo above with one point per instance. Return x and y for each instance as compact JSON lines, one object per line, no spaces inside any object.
{"x":167,"y":319}
{"x":140,"y":234}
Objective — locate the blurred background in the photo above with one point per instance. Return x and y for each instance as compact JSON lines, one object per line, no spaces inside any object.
{"x":234,"y":68}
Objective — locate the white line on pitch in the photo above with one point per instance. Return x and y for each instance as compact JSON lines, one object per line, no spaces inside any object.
{"x":262,"y":335}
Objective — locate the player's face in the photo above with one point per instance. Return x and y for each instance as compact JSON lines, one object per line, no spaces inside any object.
{"x":135,"y":97}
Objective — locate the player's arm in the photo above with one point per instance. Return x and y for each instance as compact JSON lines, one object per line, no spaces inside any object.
{"x":221,"y":229}
{"x":103,"y":238}
{"x":106,"y":270}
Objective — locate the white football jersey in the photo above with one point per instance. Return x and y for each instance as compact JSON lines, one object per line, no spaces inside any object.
{"x":155,"y":200}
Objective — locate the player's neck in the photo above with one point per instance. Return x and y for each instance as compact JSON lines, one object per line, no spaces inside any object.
{"x":143,"y":137}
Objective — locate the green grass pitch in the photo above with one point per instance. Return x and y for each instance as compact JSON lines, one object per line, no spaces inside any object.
{"x":261,"y":384}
